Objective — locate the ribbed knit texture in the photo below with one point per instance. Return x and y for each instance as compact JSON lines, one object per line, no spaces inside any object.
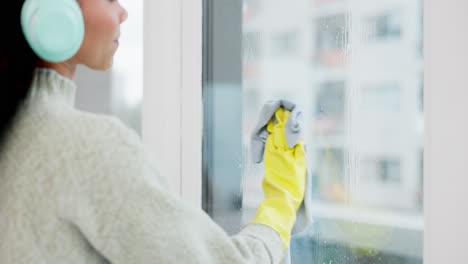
{"x":77,"y":187}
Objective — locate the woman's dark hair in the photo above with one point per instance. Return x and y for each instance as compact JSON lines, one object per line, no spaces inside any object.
{"x":17,"y":63}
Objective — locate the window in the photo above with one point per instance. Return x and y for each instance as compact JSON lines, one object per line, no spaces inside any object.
{"x":330,"y":99}
{"x":127,"y":70}
{"x":331,"y":38}
{"x":332,"y":33}
{"x":365,"y":174}
{"x":252,"y":46}
{"x":250,"y":8}
{"x":389,"y":171}
{"x":329,"y":184}
{"x":329,"y":108}
{"x":385,"y":26}
{"x":119,"y":90}
{"x":383,"y":171}
{"x":382,"y":235}
{"x":285,"y":43}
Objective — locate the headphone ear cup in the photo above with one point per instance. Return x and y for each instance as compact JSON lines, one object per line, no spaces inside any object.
{"x":53,"y":28}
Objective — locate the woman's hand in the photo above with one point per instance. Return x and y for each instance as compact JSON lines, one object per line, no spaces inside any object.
{"x":284,"y":181}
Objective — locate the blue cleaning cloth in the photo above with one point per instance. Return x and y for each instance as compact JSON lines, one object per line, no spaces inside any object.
{"x":293,"y":127}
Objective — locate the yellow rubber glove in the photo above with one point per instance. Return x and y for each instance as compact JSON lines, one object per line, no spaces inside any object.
{"x":284,"y":181}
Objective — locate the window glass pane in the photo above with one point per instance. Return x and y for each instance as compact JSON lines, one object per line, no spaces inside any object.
{"x":356,"y":69}
{"x":118,"y":91}
{"x":127,"y":71}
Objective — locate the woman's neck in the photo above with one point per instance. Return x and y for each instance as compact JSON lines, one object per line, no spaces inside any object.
{"x":66,"y":68}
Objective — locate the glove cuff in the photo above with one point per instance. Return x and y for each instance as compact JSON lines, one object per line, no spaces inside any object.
{"x":278,"y":215}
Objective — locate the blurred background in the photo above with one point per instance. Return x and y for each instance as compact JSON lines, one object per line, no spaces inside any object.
{"x":119,"y":90}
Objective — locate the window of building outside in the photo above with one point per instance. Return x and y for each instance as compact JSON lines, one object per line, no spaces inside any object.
{"x":363,"y":111}
{"x":330,"y":37}
{"x":284,"y":43}
{"x":384,"y":26}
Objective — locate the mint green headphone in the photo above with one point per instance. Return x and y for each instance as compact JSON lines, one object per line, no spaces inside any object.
{"x":53,"y":28}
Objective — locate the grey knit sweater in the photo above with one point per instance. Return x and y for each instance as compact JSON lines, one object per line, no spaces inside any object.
{"x":80,"y":188}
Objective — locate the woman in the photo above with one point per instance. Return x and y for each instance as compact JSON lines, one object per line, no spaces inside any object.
{"x":77,"y":187}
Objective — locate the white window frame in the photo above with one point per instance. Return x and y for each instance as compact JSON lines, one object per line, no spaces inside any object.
{"x":172,"y":112}
{"x":172,"y":99}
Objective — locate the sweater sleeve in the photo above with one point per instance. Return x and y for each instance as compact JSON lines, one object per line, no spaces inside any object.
{"x":127,"y":213}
